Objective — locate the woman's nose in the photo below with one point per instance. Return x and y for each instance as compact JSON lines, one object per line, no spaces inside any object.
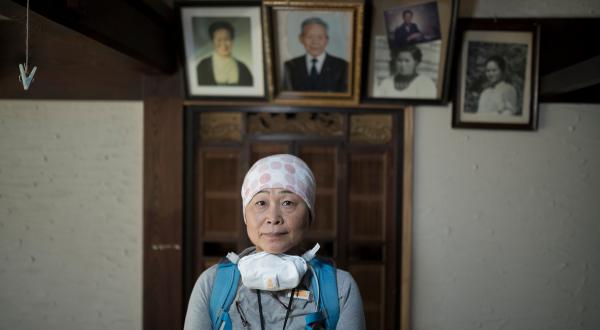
{"x":274,"y":216}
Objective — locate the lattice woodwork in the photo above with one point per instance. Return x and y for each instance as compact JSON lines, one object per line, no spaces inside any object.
{"x":221,"y":126}
{"x":220,"y":199}
{"x":303,"y":123}
{"x":373,"y":129}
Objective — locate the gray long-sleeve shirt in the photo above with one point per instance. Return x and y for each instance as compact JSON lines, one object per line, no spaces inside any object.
{"x":245,"y":306}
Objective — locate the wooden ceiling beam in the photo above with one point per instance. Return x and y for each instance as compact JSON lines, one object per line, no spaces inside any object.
{"x":141,"y":29}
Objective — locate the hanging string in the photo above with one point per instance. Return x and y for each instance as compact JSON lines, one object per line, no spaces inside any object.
{"x":27,"y":39}
{"x":24,"y":75}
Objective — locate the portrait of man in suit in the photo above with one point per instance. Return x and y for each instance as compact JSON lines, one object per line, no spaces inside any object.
{"x":408,"y":32}
{"x":412,"y":25}
{"x":316,"y":70}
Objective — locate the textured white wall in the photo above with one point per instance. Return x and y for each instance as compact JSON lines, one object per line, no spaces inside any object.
{"x":70,"y":215}
{"x":507,"y":224}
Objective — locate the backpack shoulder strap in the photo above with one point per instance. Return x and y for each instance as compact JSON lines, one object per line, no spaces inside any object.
{"x":324,"y":281}
{"x":223,"y":292}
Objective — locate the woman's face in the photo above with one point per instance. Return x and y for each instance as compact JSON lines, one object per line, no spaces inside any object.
{"x":276,"y":220}
{"x":493,"y":72}
{"x":222,"y":42}
{"x":406,"y":64}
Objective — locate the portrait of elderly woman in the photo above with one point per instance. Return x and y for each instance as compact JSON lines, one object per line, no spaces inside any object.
{"x":277,"y":283}
{"x":223,"y":51}
{"x":221,"y":67}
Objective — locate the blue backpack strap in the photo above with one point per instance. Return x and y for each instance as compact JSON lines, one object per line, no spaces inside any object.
{"x":223,"y":292}
{"x":328,"y":300}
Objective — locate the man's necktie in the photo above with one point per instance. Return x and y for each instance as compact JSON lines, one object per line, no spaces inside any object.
{"x":313,"y":69}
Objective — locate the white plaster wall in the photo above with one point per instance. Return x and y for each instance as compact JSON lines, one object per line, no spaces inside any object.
{"x":507,"y":224}
{"x":70,"y":215}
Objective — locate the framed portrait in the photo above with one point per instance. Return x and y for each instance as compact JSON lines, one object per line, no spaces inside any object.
{"x":313,"y":51}
{"x":223,"y":47}
{"x":410,"y":49}
{"x":497,"y":75}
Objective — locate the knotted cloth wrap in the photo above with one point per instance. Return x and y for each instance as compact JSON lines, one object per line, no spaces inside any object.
{"x":280,"y":171}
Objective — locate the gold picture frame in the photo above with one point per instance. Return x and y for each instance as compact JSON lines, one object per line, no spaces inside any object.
{"x":335,"y":30}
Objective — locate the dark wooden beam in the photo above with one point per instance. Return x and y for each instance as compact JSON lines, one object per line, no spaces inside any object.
{"x":163,"y":202}
{"x":575,"y":77}
{"x":569,"y":60}
{"x":140,"y":29}
{"x":69,"y":64}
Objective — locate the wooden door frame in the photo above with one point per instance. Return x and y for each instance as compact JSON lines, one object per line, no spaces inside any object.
{"x":407,"y":213}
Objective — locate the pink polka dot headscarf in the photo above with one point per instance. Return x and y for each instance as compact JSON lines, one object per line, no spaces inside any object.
{"x":280,"y":171}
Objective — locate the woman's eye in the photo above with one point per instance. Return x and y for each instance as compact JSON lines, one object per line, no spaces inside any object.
{"x":260,"y":203}
{"x":287,"y":203}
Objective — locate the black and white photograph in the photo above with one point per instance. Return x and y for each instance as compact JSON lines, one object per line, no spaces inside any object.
{"x":315,"y":51}
{"x":496,"y":79}
{"x":407,"y":72}
{"x":223,"y":51}
{"x":410,"y":48}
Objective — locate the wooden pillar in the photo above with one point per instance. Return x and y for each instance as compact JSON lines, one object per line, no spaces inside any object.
{"x":163,"y":211}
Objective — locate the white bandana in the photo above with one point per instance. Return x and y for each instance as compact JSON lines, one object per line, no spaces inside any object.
{"x":280,"y":171}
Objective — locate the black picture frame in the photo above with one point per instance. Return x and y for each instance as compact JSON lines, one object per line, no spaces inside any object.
{"x":497,"y":74}
{"x":430,"y":84}
{"x":199,"y":52}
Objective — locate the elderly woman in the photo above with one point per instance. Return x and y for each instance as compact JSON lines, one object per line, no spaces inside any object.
{"x":499,"y":96}
{"x":221,"y":68}
{"x":280,"y":286}
{"x":405,"y":82}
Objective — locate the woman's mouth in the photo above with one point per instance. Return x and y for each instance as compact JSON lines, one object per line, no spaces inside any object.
{"x":274,"y":234}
